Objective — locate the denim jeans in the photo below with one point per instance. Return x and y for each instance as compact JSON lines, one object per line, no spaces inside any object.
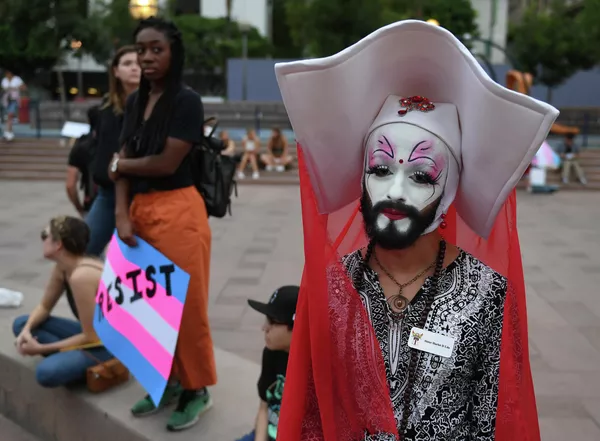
{"x":61,"y":368}
{"x":247,"y":437}
{"x":101,"y":220}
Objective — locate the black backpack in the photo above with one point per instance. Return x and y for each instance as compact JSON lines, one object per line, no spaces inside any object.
{"x":214,"y":174}
{"x":86,"y":145}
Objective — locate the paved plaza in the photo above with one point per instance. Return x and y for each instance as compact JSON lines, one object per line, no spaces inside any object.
{"x":260,"y":248}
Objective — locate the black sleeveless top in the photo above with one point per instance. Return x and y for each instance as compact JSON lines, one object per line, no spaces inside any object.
{"x":71,"y":300}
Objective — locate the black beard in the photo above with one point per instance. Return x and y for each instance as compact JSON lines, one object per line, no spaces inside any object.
{"x":390,"y":238}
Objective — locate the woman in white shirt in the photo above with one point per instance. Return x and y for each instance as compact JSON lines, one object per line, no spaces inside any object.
{"x":12,"y":86}
{"x":251,"y":144}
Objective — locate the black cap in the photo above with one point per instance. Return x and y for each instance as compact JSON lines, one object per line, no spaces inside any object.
{"x":281,"y":306}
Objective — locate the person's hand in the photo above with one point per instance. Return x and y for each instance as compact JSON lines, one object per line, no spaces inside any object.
{"x":125,"y":230}
{"x":31,"y":347}
{"x":113,"y":176}
{"x":23,"y":337}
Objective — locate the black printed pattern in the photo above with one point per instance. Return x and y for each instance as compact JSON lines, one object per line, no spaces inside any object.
{"x":454,"y":398}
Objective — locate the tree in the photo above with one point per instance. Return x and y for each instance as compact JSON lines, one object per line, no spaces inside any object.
{"x":108,"y":27}
{"x":458,"y":16}
{"x":552,"y":46}
{"x":283,"y":43}
{"x":589,"y":22}
{"x":35,"y":34}
{"x":209,"y":42}
{"x":324,"y":27}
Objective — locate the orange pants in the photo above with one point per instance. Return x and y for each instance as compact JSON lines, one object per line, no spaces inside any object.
{"x":176,"y":224}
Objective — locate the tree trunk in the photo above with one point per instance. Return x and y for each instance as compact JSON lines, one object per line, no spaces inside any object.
{"x":228,"y":9}
{"x":549,"y":91}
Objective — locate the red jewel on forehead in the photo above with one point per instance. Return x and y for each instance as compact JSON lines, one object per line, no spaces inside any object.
{"x":401,"y":161}
{"x":417,"y":102}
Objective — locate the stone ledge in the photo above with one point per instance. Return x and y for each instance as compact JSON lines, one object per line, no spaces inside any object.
{"x":76,"y":415}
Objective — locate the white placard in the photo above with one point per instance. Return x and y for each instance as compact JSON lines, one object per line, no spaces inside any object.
{"x":537,"y":177}
{"x":73,"y":129}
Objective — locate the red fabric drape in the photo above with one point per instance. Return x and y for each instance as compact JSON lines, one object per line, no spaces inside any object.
{"x":336,"y":389}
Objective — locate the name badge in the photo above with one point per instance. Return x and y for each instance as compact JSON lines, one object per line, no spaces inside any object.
{"x":431,"y":342}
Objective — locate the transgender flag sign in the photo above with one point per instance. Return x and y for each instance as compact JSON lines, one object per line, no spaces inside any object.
{"x":138,"y":311}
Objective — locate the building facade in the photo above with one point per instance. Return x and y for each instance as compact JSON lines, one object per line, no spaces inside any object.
{"x":256,"y":13}
{"x":492,"y":21}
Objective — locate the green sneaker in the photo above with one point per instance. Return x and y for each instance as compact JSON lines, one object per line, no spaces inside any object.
{"x":191,"y":405}
{"x":146,"y":406}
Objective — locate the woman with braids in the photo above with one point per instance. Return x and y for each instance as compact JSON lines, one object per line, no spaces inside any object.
{"x":157,"y":201}
{"x":58,"y":339}
{"x":411,"y":322}
{"x":123,"y":79}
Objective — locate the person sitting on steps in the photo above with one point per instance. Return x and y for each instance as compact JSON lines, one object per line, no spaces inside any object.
{"x":569,"y":153}
{"x":251,"y":144}
{"x":57,"y":338}
{"x":277,"y":157}
{"x":229,"y":144}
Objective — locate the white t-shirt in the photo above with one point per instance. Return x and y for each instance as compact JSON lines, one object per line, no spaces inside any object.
{"x":250,"y":146}
{"x":11,"y":88}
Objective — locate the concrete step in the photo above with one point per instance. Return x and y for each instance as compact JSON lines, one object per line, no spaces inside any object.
{"x":50,"y":142}
{"x":33,"y":166}
{"x":33,"y":151}
{"x":9,"y":431}
{"x":56,"y":172}
{"x":18,"y":159}
{"x":28,"y":175}
{"x":74,"y":414}
{"x":591,"y":186}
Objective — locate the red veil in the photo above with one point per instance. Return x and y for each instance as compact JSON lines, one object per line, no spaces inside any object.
{"x":336,"y":388}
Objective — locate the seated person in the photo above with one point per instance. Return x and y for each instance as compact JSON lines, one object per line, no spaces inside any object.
{"x":229,"y":149}
{"x":251,"y":145}
{"x":280,"y":313}
{"x":277,"y":157}
{"x":78,"y":166}
{"x":56,"y":338}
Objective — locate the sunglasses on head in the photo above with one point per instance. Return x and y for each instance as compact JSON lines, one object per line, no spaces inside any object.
{"x":44,"y":235}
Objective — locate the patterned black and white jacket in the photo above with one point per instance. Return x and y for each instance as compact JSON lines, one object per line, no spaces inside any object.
{"x":455,"y":398}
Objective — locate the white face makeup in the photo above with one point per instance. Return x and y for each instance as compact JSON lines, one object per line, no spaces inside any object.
{"x":406,"y":164}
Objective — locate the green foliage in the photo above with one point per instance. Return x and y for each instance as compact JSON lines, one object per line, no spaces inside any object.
{"x":209,"y":42}
{"x":458,"y":16}
{"x":34,"y":34}
{"x":324,"y":27}
{"x":589,"y":22}
{"x":283,"y":44}
{"x":552,"y":45}
{"x":108,"y":27}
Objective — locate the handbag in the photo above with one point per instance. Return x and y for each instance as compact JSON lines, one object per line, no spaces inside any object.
{"x":105,"y":375}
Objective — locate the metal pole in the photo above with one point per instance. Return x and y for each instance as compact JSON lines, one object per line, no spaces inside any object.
{"x":38,"y":119}
{"x":585,"y":129}
{"x":244,"y":66}
{"x":488,"y":47}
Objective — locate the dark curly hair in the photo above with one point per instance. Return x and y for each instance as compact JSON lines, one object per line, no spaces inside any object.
{"x":154,"y":134}
{"x":72,"y":232}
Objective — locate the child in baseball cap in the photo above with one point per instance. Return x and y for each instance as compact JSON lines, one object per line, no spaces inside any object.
{"x":280,"y":313}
